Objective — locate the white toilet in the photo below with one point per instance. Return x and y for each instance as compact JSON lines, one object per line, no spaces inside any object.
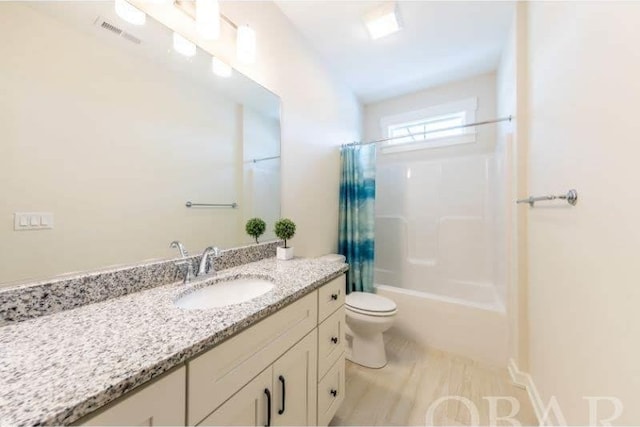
{"x":368,"y":316}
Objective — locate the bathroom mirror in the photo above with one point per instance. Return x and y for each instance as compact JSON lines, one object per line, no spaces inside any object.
{"x":107,"y":132}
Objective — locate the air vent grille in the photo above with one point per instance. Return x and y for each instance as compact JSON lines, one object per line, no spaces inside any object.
{"x":117,"y":31}
{"x":131,"y":38}
{"x":111,"y":28}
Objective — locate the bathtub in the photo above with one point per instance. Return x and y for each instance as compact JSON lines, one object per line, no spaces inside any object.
{"x":474,"y":329}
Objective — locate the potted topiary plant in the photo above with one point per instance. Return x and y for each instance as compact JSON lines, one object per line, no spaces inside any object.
{"x":255,"y":228}
{"x":285,"y":229}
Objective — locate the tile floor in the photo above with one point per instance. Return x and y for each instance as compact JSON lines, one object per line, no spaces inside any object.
{"x":402,"y":392}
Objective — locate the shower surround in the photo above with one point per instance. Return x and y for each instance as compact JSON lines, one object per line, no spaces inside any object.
{"x":439,"y":249}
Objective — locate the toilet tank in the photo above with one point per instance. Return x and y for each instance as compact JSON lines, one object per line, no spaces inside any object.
{"x":333,"y":258}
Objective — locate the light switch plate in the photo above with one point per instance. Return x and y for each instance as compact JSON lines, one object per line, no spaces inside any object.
{"x":23,"y":221}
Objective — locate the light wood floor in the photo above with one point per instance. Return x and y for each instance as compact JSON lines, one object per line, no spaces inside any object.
{"x":402,"y":392}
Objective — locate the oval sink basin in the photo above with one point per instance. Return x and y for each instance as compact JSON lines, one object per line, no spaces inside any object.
{"x":225,"y":293}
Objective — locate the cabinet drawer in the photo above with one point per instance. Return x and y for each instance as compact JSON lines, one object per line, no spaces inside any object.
{"x":331,"y":392}
{"x":161,"y":403}
{"x":331,"y":296}
{"x":217,"y":374}
{"x":330,"y":341}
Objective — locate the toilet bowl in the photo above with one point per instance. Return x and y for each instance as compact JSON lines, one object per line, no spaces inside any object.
{"x":368,"y":316}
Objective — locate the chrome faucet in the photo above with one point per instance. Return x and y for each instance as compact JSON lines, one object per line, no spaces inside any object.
{"x":180,"y":247}
{"x":184,"y":261}
{"x":202,"y":270}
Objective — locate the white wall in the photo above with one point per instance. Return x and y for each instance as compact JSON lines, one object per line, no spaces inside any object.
{"x":584,"y":291}
{"x":481,"y":87}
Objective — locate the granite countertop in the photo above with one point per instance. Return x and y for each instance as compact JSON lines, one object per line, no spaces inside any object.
{"x":55,"y":369}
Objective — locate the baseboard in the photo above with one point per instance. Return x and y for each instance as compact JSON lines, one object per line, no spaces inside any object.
{"x":519,"y":379}
{"x":524,"y":380}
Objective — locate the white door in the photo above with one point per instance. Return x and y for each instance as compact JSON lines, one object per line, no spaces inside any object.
{"x":295,"y":384}
{"x":248,"y":407}
{"x":584,"y":269}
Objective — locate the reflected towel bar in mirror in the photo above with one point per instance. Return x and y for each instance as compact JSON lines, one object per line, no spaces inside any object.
{"x":571,"y":197}
{"x":211,"y":205}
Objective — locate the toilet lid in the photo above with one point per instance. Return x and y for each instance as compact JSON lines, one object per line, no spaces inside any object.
{"x":364,"y":301}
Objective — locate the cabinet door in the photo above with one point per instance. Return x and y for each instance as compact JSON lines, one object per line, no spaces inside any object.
{"x":161,"y":403}
{"x":295,"y":384}
{"x":248,"y":407}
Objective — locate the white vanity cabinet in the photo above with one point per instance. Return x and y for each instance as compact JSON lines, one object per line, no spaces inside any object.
{"x":282,"y":395}
{"x":303,"y":343}
{"x":286,"y":370}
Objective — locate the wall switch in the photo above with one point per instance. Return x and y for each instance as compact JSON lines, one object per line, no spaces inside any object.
{"x":32,"y":221}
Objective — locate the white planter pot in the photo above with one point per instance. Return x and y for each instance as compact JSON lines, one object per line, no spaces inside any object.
{"x":285,"y":253}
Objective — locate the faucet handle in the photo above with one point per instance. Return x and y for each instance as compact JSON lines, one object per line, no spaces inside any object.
{"x":177,"y":245}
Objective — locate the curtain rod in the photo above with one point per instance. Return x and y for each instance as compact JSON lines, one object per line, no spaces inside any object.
{"x":486,"y":122}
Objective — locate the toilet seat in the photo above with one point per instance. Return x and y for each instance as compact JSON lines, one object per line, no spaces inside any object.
{"x":372,"y":313}
{"x":370,"y":304}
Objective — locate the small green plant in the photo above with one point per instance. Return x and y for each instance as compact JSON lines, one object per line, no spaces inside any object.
{"x":255,"y":228}
{"x":285,"y":229}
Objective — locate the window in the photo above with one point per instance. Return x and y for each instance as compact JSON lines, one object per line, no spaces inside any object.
{"x":426,"y":129}
{"x":436,"y":126}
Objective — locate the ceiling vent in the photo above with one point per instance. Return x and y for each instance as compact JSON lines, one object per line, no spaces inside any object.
{"x":117,"y":31}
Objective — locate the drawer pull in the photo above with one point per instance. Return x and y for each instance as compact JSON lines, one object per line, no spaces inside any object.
{"x":334,"y":392}
{"x":284,"y":390}
{"x":334,"y":340}
{"x":334,"y":297}
{"x":268,"y":394}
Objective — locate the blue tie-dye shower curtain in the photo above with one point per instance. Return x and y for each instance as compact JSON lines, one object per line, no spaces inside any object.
{"x":357,"y":197}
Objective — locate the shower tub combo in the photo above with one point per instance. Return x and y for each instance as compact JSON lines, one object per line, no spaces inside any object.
{"x":440,"y":252}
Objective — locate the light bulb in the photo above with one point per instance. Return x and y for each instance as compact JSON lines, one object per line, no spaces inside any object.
{"x":246,"y":44}
{"x":220,"y":68}
{"x":183,"y":46}
{"x":130,"y":13}
{"x":208,"y":19}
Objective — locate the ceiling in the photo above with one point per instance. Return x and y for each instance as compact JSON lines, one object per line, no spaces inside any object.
{"x":441,"y":41}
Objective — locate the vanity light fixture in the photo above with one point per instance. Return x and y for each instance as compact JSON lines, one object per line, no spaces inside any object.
{"x":183,"y":46}
{"x":246,"y":44}
{"x":220,"y":68}
{"x":245,"y":35}
{"x":383,"y":21}
{"x":130,"y":13}
{"x":208,"y":19}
